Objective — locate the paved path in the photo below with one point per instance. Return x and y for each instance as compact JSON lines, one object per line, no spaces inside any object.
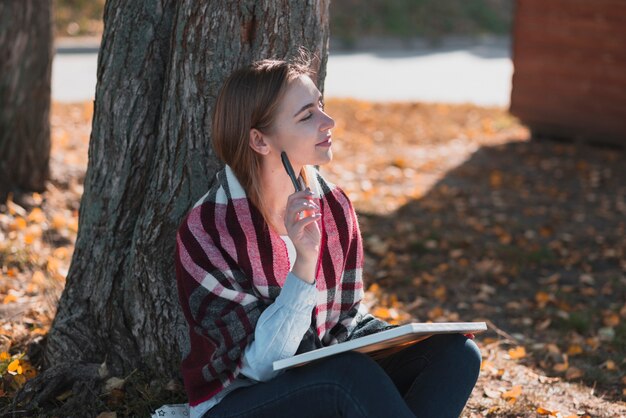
{"x":478,"y":73}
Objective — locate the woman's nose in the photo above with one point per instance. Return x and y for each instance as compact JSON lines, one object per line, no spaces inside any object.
{"x":328,"y":123}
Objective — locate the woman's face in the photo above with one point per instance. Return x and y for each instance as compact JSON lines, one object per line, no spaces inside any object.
{"x":301,"y":128}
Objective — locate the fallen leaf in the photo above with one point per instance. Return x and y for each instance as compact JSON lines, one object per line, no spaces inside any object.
{"x":560,"y":367}
{"x":514,"y":392}
{"x":573,"y":373}
{"x":10,"y":298}
{"x":543,"y":411}
{"x":15,"y":367}
{"x":574,"y":350}
{"x":611,"y":320}
{"x":18,"y":224}
{"x":610,"y":365}
{"x":36,"y":216}
{"x":517,"y":353}
{"x":382,"y":312}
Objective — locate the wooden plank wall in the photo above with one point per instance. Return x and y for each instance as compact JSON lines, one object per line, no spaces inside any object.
{"x":569,"y":59}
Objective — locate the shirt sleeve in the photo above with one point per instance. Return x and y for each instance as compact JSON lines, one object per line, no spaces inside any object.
{"x":280,"y":329}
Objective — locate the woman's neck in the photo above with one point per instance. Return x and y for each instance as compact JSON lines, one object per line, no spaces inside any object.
{"x":277,"y":188}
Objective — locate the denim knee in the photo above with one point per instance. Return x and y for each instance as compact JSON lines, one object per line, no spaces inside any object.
{"x":350,"y":364}
{"x":466,"y":355}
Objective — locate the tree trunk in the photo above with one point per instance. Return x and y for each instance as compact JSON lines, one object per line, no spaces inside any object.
{"x":25,"y":67}
{"x":160,"y":66}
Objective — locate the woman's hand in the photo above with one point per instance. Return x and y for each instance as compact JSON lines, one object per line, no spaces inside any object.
{"x":301,"y":218}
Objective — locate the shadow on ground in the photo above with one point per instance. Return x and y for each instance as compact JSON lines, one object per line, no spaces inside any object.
{"x":528,"y":235}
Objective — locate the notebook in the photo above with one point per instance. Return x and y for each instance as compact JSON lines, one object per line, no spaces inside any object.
{"x":386,"y":342}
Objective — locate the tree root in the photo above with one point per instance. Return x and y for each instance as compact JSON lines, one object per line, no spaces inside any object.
{"x":69,"y":390}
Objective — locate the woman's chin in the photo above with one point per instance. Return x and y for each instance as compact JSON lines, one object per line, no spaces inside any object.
{"x":325,"y":159}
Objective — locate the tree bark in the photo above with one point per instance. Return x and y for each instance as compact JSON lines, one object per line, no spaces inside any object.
{"x":160,"y":67}
{"x":25,"y":67}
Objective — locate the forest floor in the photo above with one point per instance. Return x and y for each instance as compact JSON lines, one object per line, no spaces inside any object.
{"x":463,"y":218}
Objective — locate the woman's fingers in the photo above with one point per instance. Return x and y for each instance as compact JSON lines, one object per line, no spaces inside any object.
{"x":300,"y":204}
{"x":301,"y":216}
{"x":300,"y":207}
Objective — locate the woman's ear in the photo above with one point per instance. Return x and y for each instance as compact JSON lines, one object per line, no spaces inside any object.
{"x":258,"y":142}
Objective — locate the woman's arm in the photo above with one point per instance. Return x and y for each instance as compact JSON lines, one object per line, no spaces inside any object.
{"x":280,"y":329}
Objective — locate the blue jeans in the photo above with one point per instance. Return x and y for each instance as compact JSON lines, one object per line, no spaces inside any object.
{"x":433,"y":378}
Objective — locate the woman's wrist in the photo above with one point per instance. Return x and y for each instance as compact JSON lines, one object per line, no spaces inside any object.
{"x":304,"y":269}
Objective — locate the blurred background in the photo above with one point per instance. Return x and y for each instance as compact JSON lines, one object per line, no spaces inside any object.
{"x":450,"y":51}
{"x":350,"y":19}
{"x":482,"y":143}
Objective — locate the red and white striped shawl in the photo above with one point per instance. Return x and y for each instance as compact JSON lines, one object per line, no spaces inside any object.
{"x":230,"y":266}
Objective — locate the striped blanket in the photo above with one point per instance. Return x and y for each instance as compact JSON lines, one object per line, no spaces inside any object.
{"x":230,"y":265}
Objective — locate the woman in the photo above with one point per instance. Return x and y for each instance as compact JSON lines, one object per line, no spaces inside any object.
{"x":265,"y":273}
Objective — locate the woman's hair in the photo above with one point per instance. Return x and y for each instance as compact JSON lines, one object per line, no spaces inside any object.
{"x":250,"y":98}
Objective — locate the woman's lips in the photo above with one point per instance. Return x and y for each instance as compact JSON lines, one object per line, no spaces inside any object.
{"x":325,"y":143}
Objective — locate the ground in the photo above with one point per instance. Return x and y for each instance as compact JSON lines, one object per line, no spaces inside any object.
{"x":463,"y":217}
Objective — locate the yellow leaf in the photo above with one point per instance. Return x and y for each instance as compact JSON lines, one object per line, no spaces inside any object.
{"x":440,"y":293}
{"x":515,"y":392}
{"x":37,"y":198}
{"x":611,"y":320}
{"x":542,"y":297}
{"x":574,"y":349}
{"x":61,"y":253}
{"x":374,"y":288}
{"x":38,"y":331}
{"x":382,"y":313}
{"x":9,"y":299}
{"x":4,"y":356}
{"x":610,"y":365}
{"x":36,"y":216}
{"x":18,"y":224}
{"x":517,"y":353}
{"x":543,"y":411}
{"x":436,"y":312}
{"x":38,"y":278}
{"x":58,"y":221}
{"x":29,"y":238}
{"x":73,"y":225}
{"x":14,"y":367}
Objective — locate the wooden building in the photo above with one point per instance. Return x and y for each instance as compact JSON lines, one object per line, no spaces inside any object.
{"x":569,"y":77}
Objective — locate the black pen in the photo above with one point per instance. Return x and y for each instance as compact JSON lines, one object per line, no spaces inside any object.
{"x":290,"y":172}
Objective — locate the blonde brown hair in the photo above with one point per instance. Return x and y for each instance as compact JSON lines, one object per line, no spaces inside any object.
{"x":250,"y":98}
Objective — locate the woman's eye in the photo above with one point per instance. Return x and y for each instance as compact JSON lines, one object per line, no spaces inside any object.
{"x":308,"y":117}
{"x":322,"y":104}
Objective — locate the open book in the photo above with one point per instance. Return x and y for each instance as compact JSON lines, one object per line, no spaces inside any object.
{"x":386,"y":342}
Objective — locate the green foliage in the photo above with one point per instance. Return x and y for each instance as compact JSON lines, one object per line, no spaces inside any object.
{"x":78,"y":17}
{"x":432,"y":19}
{"x":351,"y":19}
